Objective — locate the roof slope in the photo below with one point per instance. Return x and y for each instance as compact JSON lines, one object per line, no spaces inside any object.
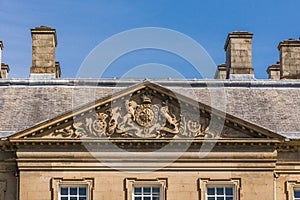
{"x":274,"y":105}
{"x":144,"y":111}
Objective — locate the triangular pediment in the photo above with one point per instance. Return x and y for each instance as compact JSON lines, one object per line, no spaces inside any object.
{"x":148,"y":111}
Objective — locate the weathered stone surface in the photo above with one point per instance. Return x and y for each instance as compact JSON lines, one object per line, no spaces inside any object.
{"x":44,"y":69}
{"x":8,"y":175}
{"x":181,"y":185}
{"x":221,"y":72}
{"x":266,"y":103}
{"x":1,"y":47}
{"x":238,"y":49}
{"x":253,"y":165}
{"x":289,"y":59}
{"x":274,"y":71}
{"x":259,"y":164}
{"x":43,"y":51}
{"x":4,"y":70}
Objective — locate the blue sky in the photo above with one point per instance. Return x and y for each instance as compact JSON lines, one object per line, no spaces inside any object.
{"x":82,"y":25}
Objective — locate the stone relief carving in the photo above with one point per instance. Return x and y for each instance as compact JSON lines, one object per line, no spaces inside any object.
{"x":193,"y":126}
{"x":140,"y":117}
{"x":229,"y":132}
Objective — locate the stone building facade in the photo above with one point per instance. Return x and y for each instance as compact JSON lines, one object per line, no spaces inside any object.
{"x":231,"y":138}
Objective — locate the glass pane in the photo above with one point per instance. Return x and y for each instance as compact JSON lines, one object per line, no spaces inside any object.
{"x":211,"y":198}
{"x":210,"y":191}
{"x":73,"y":198}
{"x":220,"y":191}
{"x":64,"y":191}
{"x":73,"y":191}
{"x":297,"y":193}
{"x":146,"y":190}
{"x":137,"y":190}
{"x":82,"y":198}
{"x":220,"y":198}
{"x":64,"y":198}
{"x":155,"y":198}
{"x":229,"y":191}
{"x":82,"y":191}
{"x":155,"y":190}
{"x":229,"y":198}
{"x":137,"y":198}
{"x":147,"y":198}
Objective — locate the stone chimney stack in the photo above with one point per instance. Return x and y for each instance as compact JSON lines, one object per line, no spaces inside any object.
{"x":4,"y":68}
{"x":43,"y":53}
{"x":289,"y":59}
{"x":221,"y":72}
{"x":274,"y":71}
{"x":238,"y":49}
{"x":1,"y":47}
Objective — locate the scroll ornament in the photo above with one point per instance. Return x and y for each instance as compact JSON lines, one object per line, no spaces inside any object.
{"x":139,"y":120}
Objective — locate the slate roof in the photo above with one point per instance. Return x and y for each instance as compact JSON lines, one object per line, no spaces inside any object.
{"x":274,"y":105}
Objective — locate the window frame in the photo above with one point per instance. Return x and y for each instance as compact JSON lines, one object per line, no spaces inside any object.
{"x":69,"y":192}
{"x":130,"y":183}
{"x":290,"y":188}
{"x":220,"y":186}
{"x":204,"y":183}
{"x":142,"y":195}
{"x":296,"y":188}
{"x":57,"y":183}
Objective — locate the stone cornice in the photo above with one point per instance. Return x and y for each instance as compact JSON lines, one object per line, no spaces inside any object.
{"x":119,"y":83}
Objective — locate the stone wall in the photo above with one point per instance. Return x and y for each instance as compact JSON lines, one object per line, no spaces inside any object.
{"x":8,"y":176}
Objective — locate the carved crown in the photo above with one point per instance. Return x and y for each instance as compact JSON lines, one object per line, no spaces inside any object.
{"x":146,"y":98}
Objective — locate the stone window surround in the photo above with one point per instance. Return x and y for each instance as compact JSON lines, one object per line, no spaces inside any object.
{"x":289,"y":188}
{"x":130,"y":183}
{"x":203,"y":183}
{"x":2,"y":189}
{"x":56,"y":183}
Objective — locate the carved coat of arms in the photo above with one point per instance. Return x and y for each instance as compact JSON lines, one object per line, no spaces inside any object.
{"x":146,"y":119}
{"x":139,"y":117}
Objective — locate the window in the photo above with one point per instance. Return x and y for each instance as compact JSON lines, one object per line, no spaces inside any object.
{"x":73,"y":193}
{"x":214,"y":189}
{"x":219,"y":193}
{"x":141,"y":189}
{"x":296,"y":193}
{"x":293,"y":190}
{"x":72,"y":189}
{"x":146,"y":193}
